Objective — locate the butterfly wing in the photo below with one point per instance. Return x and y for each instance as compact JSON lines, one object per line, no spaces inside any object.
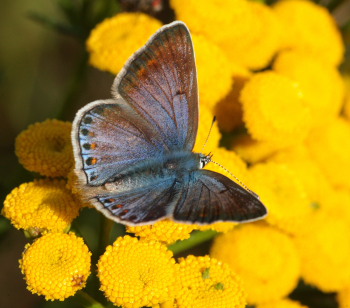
{"x":208,"y":197}
{"x":139,"y":206}
{"x":108,"y":137}
{"x":160,"y":83}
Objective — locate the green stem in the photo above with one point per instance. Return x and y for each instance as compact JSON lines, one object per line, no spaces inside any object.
{"x":87,"y":301}
{"x":196,"y":238}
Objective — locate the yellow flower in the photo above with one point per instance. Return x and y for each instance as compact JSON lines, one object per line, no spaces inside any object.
{"x":41,"y":205}
{"x":206,"y":282}
{"x":330,"y":148}
{"x":73,"y":186}
{"x":56,"y":265}
{"x":265,"y":258}
{"x":227,"y":23}
{"x":115,"y":39}
{"x":211,"y":71}
{"x":231,"y":162}
{"x":283,"y":193}
{"x":282,"y":303}
{"x":46,"y":148}
{"x":229,"y":110}
{"x":344,"y":297}
{"x":258,"y":51}
{"x":321,"y":83}
{"x":337,"y":203}
{"x":274,"y":109}
{"x":137,"y":273}
{"x":346,"y":108}
{"x":313,"y":180}
{"x":205,"y":120}
{"x":324,"y":249}
{"x":253,"y":151}
{"x":218,"y":226}
{"x":165,"y":231}
{"x":302,"y":20}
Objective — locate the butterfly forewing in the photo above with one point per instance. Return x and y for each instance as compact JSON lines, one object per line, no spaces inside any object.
{"x":109,"y":137}
{"x":160,"y":83}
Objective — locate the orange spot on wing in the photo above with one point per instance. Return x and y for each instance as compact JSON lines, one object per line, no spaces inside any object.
{"x":94,"y":161}
{"x":93,"y":146}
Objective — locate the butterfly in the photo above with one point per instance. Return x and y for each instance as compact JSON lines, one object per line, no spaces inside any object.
{"x":133,"y":153}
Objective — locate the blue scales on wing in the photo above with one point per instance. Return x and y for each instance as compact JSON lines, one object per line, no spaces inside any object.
{"x":111,"y":138}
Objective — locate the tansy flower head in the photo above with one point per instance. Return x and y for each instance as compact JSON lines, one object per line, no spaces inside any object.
{"x":137,"y":273}
{"x":46,"y":148}
{"x":264,"y":40}
{"x":329,"y":147}
{"x":41,"y":205}
{"x":344,"y":297}
{"x":56,"y":265}
{"x":265,"y":258}
{"x":114,"y":40}
{"x":274,"y":109}
{"x":282,"y":303}
{"x":165,"y":231}
{"x":206,"y":282}
{"x":300,"y":19}
{"x":324,"y":249}
{"x":283,"y":193}
{"x":209,"y":71}
{"x":253,"y":151}
{"x":228,"y":111}
{"x":313,"y":180}
{"x":223,"y":22}
{"x":321,"y":83}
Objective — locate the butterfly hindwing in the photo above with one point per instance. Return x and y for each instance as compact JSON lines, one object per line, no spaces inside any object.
{"x":160,"y":83}
{"x":208,"y":197}
{"x":139,"y":206}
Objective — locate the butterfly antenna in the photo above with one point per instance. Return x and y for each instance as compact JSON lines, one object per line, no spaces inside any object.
{"x":236,"y":178}
{"x":210,"y":129}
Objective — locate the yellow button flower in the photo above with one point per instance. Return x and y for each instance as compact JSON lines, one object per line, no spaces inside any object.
{"x":324,"y":249}
{"x":321,"y":83}
{"x":282,"y":303}
{"x":115,"y":39}
{"x":137,"y":273}
{"x":165,"y":231}
{"x":301,"y":20}
{"x":344,"y":297}
{"x":283,"y":193}
{"x":46,"y":148}
{"x":209,"y":71}
{"x":330,"y":148}
{"x":41,"y":205}
{"x":224,"y":22}
{"x":257,"y":52}
{"x":56,"y":265}
{"x":265,"y":258}
{"x":274,"y":109}
{"x":206,"y":282}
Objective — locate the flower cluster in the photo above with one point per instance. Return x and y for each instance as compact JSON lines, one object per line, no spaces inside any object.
{"x":283,"y":129}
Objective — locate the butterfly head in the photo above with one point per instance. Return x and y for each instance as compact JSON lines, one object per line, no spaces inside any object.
{"x":204,"y":159}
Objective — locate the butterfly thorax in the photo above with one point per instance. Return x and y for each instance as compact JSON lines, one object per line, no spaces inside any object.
{"x":150,"y":172}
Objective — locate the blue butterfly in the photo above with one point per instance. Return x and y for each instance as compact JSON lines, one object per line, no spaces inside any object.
{"x":133,"y":153}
